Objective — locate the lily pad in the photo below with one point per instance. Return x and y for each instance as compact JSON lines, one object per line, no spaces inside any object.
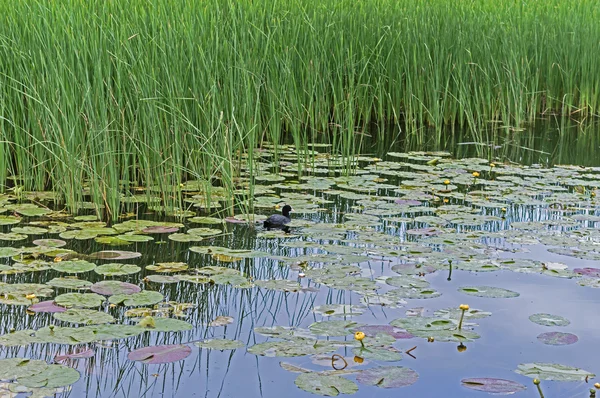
{"x":145,"y":297}
{"x":220,"y":344}
{"x":160,"y":354}
{"x":168,"y":267}
{"x":73,"y":267}
{"x":115,"y":255}
{"x":69,"y":283}
{"x":333,"y":328}
{"x":339,"y":310}
{"x":13,"y":368}
{"x":549,"y":320}
{"x":557,"y":338}
{"x":488,"y":291}
{"x":553,"y":371}
{"x":84,"y":316}
{"x":46,"y":306}
{"x":493,"y":386}
{"x":79,"y":300}
{"x":388,"y":376}
{"x":116,"y":269}
{"x":110,"y":288}
{"x":50,"y":242}
{"x":329,"y":386}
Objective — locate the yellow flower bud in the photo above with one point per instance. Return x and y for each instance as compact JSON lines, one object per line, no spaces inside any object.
{"x":461,"y":347}
{"x":503,"y":210}
{"x":597,"y":385}
{"x":358,"y":359}
{"x":536,"y":381}
{"x":464,"y":307}
{"x":430,"y":339}
{"x":359,"y":336}
{"x":475,"y":174}
{"x":446,"y":200}
{"x":30,"y":296}
{"x":492,"y":165}
{"x":446,"y":182}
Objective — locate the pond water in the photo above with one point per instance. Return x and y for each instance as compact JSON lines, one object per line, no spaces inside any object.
{"x":366,"y":253}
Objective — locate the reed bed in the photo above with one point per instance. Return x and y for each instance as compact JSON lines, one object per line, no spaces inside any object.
{"x":99,"y":96}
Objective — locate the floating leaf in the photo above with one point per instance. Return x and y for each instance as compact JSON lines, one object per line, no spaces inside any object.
{"x":46,"y":306}
{"x":116,"y":269}
{"x":220,"y":344}
{"x":339,"y":310}
{"x":160,"y":354}
{"x":279,"y":284}
{"x":388,"y":376}
{"x":145,"y":297}
{"x":221,"y":321}
{"x":76,"y":355}
{"x":552,"y":371}
{"x":49,"y":242}
{"x":84,"y":316}
{"x":13,"y":368}
{"x":169,"y":325}
{"x":549,"y":320}
{"x":329,"y":386}
{"x":557,"y":338}
{"x":69,"y":283}
{"x":73,"y":267}
{"x":488,"y":291}
{"x":82,"y":300}
{"x":388,"y":354}
{"x":109,"y":288}
{"x":115,"y":255}
{"x":333,"y":328}
{"x":493,"y":386}
{"x":168,"y":267}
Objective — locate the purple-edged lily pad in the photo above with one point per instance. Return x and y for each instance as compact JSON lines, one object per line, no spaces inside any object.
{"x":158,"y":229}
{"x":234,"y":220}
{"x":388,"y":376}
{"x":429,"y":231}
{"x":397,"y":333}
{"x":115,"y":255}
{"x":109,"y":288}
{"x":49,"y":242}
{"x":46,"y":306}
{"x":160,"y":354}
{"x":76,"y":355}
{"x":558,"y":338}
{"x":591,"y":272}
{"x":493,"y":386}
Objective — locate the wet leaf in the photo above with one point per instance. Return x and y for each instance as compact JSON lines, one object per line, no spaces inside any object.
{"x":552,"y":371}
{"x":388,"y":377}
{"x":329,"y":386}
{"x":116,"y":269}
{"x":160,"y":354}
{"x":145,"y":297}
{"x":557,"y":338}
{"x":488,"y":291}
{"x":109,"y":288}
{"x":549,"y":320}
{"x":79,"y":300}
{"x":493,"y":386}
{"x":220,"y":344}
{"x":84,"y":316}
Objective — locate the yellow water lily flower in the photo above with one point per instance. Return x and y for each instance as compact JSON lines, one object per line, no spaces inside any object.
{"x":461,"y":347}
{"x":30,"y":296}
{"x":358,"y":359}
{"x":475,"y":174}
{"x":464,"y":307}
{"x":359,"y":336}
{"x":536,"y":382}
{"x":446,"y":182}
{"x":597,"y":385}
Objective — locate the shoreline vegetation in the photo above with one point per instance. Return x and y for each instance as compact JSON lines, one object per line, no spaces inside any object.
{"x":112,"y":95}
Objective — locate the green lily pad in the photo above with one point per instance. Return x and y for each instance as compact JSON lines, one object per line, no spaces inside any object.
{"x":65,"y":335}
{"x":73,"y":267}
{"x":388,"y":376}
{"x":19,"y":338}
{"x":279,"y":284}
{"x":14,"y":368}
{"x":293,"y":348}
{"x":388,"y":354}
{"x":329,"y":386}
{"x":333,"y":328}
{"x":84,"y":316}
{"x":110,"y":288}
{"x":549,"y":320}
{"x":9,"y":252}
{"x":116,"y":269}
{"x":220,"y":344}
{"x":169,"y":325}
{"x":168,"y":267}
{"x":488,"y":291}
{"x":145,"y":297}
{"x":69,"y":283}
{"x":339,"y":310}
{"x":50,"y":242}
{"x":552,"y":371}
{"x":115,"y":255}
{"x":79,"y":300}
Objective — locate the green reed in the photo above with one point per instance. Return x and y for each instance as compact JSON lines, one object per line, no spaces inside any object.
{"x":102,"y":96}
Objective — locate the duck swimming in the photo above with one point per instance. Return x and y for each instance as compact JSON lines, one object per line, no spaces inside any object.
{"x":279,"y":221}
